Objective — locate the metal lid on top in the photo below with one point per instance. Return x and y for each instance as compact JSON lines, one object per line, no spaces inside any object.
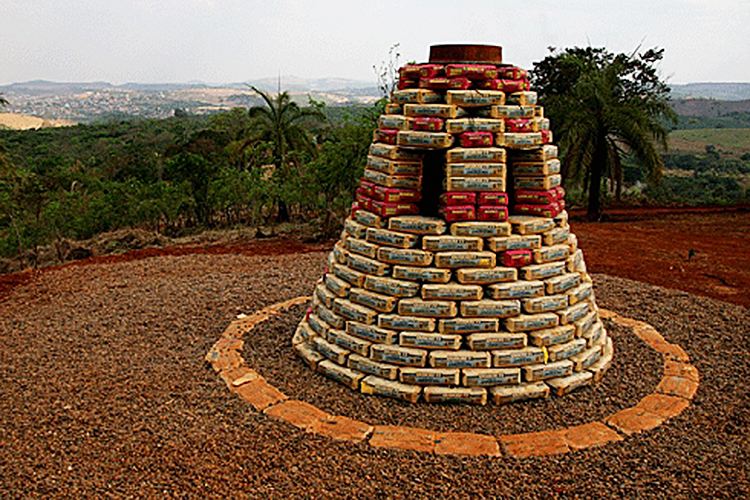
{"x":466,"y":53}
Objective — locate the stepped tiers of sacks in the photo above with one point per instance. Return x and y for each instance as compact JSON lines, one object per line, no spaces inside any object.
{"x":456,"y":277}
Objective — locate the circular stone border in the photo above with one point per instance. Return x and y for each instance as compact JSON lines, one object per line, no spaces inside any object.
{"x":677,"y":387}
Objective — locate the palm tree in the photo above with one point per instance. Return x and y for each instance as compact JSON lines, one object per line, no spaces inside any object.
{"x":604,"y":107}
{"x":280,"y":123}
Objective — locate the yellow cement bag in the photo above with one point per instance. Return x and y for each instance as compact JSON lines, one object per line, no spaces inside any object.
{"x":346,"y":273}
{"x":584,"y":359}
{"x":432,"y":110}
{"x":427,"y":308}
{"x":565,"y":385}
{"x":355,"y":229}
{"x":490,"y":308}
{"x":545,"y":304}
{"x":488,"y":170}
{"x":481,"y":229}
{"x":422,"y":274}
{"x":475,"y":98}
{"x":430,"y":376}
{"x":475,"y":155}
{"x":309,"y":355}
{"x":493,"y":341}
{"x":552,"y":336}
{"x":452,"y":243}
{"x":475,"y":184}
{"x":535,"y":373}
{"x":510,"y":394}
{"x":370,"y":367}
{"x":424,"y":340}
{"x":461,"y":125}
{"x":464,"y":259}
{"x":368,"y":266}
{"x":541,"y":153}
{"x":399,"y":122}
{"x":530,"y":224}
{"x":394,"y":152}
{"x":490,"y":377}
{"x":347,"y":376}
{"x":372,"y":333}
{"x":470,"y":395}
{"x":362,"y":247}
{"x":391,"y":238}
{"x":424,"y":140}
{"x":397,"y":355}
{"x":390,"y":286}
{"x":529,"y":322}
{"x":354,"y":312}
{"x":349,"y":342}
{"x":389,"y":388}
{"x":459,"y":359}
{"x":559,"y":352}
{"x":508,"y":111}
{"x":407,"y":323}
{"x":542,"y":271}
{"x":517,"y":357}
{"x":336,"y":285}
{"x":486,"y":276}
{"x":420,"y":96}
{"x":417,"y":224}
{"x":379,"y":302}
{"x":551,"y":254}
{"x":331,"y":351}
{"x":516,"y":290}
{"x":515,"y":242}
{"x":450,"y":291}
{"x":405,"y":256}
{"x":469,"y":325}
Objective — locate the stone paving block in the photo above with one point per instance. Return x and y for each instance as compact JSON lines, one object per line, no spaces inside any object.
{"x":298,"y":413}
{"x":677,"y":386}
{"x":343,"y":429}
{"x":678,"y":369}
{"x":224,"y":359}
{"x":633,"y":420}
{"x":663,"y":405}
{"x":534,"y":444}
{"x":260,"y":394}
{"x":607,"y":314}
{"x":466,"y":443}
{"x":590,"y":435}
{"x":405,"y":438}
{"x":241,"y":373}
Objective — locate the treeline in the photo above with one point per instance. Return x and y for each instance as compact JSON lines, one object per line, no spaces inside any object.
{"x":180,"y":174}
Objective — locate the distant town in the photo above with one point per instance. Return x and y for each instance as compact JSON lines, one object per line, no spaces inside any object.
{"x":89,"y":102}
{"x":97,"y":101}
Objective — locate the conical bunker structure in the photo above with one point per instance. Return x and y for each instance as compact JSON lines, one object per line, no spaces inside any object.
{"x":456,"y":278}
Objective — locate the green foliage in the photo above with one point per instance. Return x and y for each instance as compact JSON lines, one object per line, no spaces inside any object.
{"x":604,"y":106}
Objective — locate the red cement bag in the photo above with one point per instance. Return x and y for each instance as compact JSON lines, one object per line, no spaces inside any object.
{"x":431,"y":70}
{"x":428,"y":124}
{"x":531,"y":197}
{"x":395,"y":195}
{"x":453,"y":213}
{"x":443,"y":83}
{"x":517,"y":258}
{"x":385,"y":135}
{"x":550,"y":210}
{"x":512,"y":73}
{"x":476,"y":139}
{"x":492,"y":213}
{"x":508,"y":86}
{"x":407,"y":83}
{"x":494,"y":199}
{"x":384,"y":209}
{"x":455,"y":198}
{"x":519,"y":125}
{"x":559,"y":193}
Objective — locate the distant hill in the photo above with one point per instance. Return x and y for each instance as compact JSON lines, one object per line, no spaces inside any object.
{"x":718,"y":91}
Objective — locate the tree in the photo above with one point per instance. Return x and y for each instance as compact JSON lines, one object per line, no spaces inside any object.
{"x":3,"y":101}
{"x":280,"y":122}
{"x":604,"y":106}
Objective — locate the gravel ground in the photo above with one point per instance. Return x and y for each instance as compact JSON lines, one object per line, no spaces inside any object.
{"x":105,"y":394}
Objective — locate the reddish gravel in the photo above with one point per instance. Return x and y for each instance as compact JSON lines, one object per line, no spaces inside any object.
{"x":105,"y":394}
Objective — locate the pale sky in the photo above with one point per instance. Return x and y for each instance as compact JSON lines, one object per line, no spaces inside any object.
{"x":223,"y":41}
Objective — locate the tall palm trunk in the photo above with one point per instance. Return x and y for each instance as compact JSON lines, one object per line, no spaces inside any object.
{"x":598,"y":165}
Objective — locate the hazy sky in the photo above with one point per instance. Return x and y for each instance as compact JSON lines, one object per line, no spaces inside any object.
{"x":222,"y":41}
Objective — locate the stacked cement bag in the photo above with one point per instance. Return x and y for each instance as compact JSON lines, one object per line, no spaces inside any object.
{"x":474,"y":304}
